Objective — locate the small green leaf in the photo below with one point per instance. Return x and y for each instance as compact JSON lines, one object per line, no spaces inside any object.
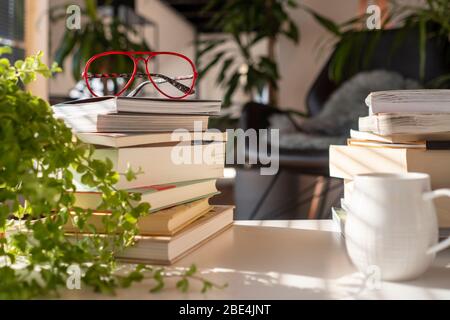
{"x":158,"y":277}
{"x":191,"y":271}
{"x":206,"y":286}
{"x":5,"y":50}
{"x":183,"y":285}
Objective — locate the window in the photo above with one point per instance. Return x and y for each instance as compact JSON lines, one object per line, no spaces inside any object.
{"x":12,"y":25}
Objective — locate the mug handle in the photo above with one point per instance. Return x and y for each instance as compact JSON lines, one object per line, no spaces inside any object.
{"x":428,"y":196}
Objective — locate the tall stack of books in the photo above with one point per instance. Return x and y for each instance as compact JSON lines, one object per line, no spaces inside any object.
{"x":406,"y":131}
{"x":138,"y":133}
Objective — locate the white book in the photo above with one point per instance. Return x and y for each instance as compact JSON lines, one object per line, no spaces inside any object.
{"x":118,"y":140}
{"x":400,"y":138}
{"x":109,"y":104}
{"x":409,"y":101}
{"x":119,"y":122}
{"x":164,"y":164}
{"x":403,"y":123}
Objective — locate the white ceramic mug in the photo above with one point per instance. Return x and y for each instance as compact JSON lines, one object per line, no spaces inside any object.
{"x":392,"y":224}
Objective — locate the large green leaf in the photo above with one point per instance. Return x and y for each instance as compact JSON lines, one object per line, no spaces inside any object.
{"x":67,"y":44}
{"x":225,"y":66}
{"x":231,"y":88}
{"x":209,"y":45}
{"x":372,"y":43}
{"x":210,"y":64}
{"x":269,"y":68}
{"x":91,"y":9}
{"x":292,"y":32}
{"x":76,"y":62}
{"x":324,"y":22}
{"x":338,"y":63}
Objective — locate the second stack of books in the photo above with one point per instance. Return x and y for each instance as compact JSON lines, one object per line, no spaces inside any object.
{"x":406,"y":131}
{"x":136,"y":133}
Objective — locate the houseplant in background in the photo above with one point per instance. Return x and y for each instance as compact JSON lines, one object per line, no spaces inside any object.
{"x":97,"y":34}
{"x":245,"y":27}
{"x":427,"y":23}
{"x":37,"y":153}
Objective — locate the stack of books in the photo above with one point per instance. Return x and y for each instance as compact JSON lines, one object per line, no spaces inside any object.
{"x":137,"y":133}
{"x":406,"y":131}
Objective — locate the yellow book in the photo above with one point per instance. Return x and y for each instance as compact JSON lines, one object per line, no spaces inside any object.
{"x":155,"y":249}
{"x":159,"y":196}
{"x":377,"y":144}
{"x":167,"y":250}
{"x":165,"y":222}
{"x":400,"y":138}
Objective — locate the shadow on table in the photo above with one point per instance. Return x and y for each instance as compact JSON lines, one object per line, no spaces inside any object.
{"x":319,"y":254}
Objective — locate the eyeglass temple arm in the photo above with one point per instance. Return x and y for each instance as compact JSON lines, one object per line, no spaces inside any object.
{"x":173,"y":82}
{"x":163,"y":78}
{"x":138,"y":89}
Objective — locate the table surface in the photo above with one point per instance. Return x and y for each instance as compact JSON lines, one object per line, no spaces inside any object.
{"x":301,"y":259}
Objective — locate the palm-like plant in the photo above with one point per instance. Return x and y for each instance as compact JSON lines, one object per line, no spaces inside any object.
{"x":95,"y":36}
{"x":430,"y":20}
{"x":433,"y":22}
{"x":245,"y":24}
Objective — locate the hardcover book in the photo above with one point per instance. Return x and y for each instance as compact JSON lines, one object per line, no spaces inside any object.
{"x":165,"y":222}
{"x":409,"y":101}
{"x":400,"y":138}
{"x":119,"y":140}
{"x":166,"y":250}
{"x":162,"y":164}
{"x":120,"y":122}
{"x":111,"y":105}
{"x":404,"y":123}
{"x":159,"y":196}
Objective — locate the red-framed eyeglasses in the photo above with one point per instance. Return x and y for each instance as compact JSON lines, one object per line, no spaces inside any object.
{"x":172,"y":74}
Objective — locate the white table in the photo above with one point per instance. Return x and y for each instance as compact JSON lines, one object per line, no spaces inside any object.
{"x":303,"y":259}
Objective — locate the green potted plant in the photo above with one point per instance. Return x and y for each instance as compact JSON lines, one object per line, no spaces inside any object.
{"x":427,"y":23}
{"x":96,"y":35}
{"x":37,"y":156}
{"x":244,"y":26}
